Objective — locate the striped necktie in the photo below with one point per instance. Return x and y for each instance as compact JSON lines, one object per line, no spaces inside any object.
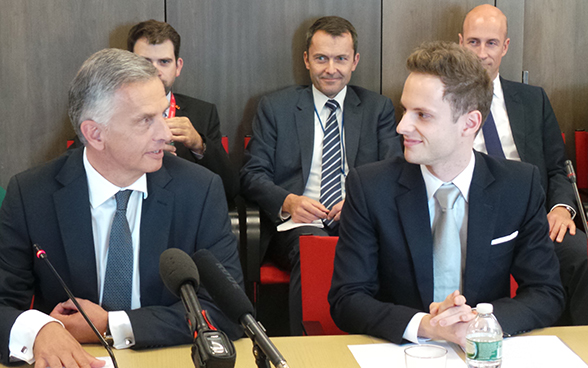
{"x":331,"y":193}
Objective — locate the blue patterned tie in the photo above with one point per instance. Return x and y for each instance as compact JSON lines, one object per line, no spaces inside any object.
{"x":491,"y":138}
{"x":331,"y":164}
{"x":118,"y":280}
{"x":446,"y":245}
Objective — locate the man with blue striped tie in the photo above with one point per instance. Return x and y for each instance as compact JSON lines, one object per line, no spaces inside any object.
{"x":305,"y":140}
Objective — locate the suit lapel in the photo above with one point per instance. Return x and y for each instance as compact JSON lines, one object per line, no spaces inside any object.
{"x":72,"y":207}
{"x":304,"y":120}
{"x":352,"y":121}
{"x":414,"y":215}
{"x":156,"y":218}
{"x":516,"y":116}
{"x":481,"y":222}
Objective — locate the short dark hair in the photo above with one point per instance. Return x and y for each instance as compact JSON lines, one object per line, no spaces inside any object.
{"x":156,"y":33}
{"x":467,"y":84}
{"x":333,"y":25}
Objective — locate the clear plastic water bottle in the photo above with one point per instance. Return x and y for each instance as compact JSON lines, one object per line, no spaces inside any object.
{"x":484,"y":339}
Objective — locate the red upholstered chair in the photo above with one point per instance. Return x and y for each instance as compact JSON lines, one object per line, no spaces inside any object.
{"x":317,"y":254}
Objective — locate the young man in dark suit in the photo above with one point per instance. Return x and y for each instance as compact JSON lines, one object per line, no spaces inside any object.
{"x":524,"y":128}
{"x":69,"y":207}
{"x":285,"y":163}
{"x":410,"y":263}
{"x":194,"y":123}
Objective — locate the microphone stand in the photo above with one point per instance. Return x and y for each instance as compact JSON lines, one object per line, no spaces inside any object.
{"x":260,"y":358}
{"x":572,"y":176}
{"x":40,"y":253}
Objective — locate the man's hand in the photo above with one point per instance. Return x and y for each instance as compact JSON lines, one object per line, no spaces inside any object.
{"x":560,"y":221}
{"x":336,"y":211}
{"x":55,"y":347}
{"x":303,"y":209}
{"x":183,"y":131}
{"x":170,"y":148}
{"x":75,"y":323}
{"x":448,"y":320}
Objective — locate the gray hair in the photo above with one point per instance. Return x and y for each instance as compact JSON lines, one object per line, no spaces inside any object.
{"x":91,"y":93}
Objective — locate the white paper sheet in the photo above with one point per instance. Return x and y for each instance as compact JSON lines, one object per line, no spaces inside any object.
{"x":518,"y":352}
{"x":392,"y":355}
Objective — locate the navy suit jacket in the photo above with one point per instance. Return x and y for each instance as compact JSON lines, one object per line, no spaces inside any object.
{"x":204,"y":118}
{"x":278,"y":158}
{"x":538,"y":139}
{"x":49,"y":205}
{"x":383,"y":273}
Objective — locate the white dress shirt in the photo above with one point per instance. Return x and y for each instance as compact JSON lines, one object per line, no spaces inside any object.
{"x":103,"y":207}
{"x":432,"y":183}
{"x":312,"y":189}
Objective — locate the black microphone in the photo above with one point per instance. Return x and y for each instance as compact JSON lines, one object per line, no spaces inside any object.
{"x":572,"y":176}
{"x":231,"y":299}
{"x":40,"y":253}
{"x":212,"y":348}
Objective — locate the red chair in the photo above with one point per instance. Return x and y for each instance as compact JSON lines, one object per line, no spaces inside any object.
{"x":317,"y":254}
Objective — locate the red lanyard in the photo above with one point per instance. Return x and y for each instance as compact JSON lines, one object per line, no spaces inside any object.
{"x":172,"y":106}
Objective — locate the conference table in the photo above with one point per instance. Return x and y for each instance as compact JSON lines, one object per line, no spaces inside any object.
{"x":306,"y":351}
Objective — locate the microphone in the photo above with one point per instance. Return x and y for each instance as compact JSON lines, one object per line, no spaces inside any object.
{"x":572,"y":176}
{"x":231,"y":299}
{"x":212,"y":348}
{"x":40,"y":253}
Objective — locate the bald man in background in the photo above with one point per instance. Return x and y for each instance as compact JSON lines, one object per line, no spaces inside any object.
{"x":523,"y":127}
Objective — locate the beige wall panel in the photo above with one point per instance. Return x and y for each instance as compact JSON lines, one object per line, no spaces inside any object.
{"x":555,"y":54}
{"x":406,"y":24}
{"x":43,"y":44}
{"x":236,"y":51}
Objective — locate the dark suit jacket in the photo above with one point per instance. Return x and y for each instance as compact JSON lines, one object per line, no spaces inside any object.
{"x":204,"y":118}
{"x":279,"y":155}
{"x":49,"y":205}
{"x":383,"y":273}
{"x":538,"y":139}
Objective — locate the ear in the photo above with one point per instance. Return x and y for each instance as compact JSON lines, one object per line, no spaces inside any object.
{"x":306,"y":61}
{"x":460,"y":39}
{"x":94,"y":134}
{"x":179,"y":66}
{"x":355,"y":61}
{"x":473,"y":122}
{"x":506,"y":43}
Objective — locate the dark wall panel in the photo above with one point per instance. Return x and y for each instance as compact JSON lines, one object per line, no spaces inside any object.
{"x":43,"y":44}
{"x":236,"y":51}
{"x":407,"y":24}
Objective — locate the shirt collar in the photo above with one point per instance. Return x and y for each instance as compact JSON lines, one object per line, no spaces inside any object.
{"x":101,"y":189}
{"x":498,"y":88}
{"x":320,"y":99}
{"x":462,"y":181}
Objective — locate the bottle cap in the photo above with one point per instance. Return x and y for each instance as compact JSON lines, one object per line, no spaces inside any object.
{"x":484,"y":308}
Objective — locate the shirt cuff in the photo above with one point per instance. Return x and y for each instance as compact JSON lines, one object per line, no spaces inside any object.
{"x":24,"y":332}
{"x":570,"y":209}
{"x":200,"y":156}
{"x":121,"y":330}
{"x":412,"y":329}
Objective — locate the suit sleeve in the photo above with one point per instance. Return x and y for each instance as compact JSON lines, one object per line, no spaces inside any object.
{"x":257,"y":174}
{"x":355,"y":281}
{"x":559,"y":189}
{"x":535,"y":267}
{"x":215,"y":158}
{"x":166,"y":325}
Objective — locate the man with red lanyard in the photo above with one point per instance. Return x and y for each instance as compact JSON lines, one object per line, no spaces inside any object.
{"x":194,"y":123}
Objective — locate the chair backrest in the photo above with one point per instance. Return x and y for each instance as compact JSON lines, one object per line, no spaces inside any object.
{"x":581,"y":139}
{"x":317,"y":254}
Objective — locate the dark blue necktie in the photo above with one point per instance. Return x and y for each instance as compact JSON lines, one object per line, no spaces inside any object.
{"x":493,"y":145}
{"x":118,"y":281}
{"x":331,"y":165}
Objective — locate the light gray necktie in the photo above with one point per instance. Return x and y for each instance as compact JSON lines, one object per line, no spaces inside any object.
{"x":118,"y":281}
{"x":446,"y":245}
